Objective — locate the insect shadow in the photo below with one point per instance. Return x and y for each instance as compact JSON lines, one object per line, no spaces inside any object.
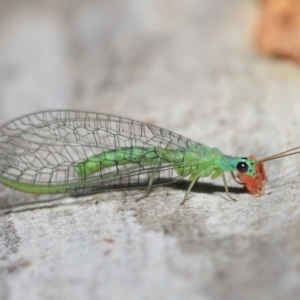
{"x":206,"y":188}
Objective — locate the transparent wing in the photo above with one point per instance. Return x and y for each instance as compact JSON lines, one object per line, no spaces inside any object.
{"x":44,"y":148}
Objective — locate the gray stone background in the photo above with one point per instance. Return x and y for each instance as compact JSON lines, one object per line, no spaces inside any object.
{"x":188,"y":66}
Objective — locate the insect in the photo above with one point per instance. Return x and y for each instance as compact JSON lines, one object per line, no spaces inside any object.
{"x":254,"y":186}
{"x":76,"y":152}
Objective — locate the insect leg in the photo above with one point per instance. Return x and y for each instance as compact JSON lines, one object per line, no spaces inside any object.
{"x":226,"y":188}
{"x":234,"y":178}
{"x":152,"y":176}
{"x":189,"y":189}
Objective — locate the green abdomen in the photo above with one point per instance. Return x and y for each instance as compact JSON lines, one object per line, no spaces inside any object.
{"x":114,"y":158}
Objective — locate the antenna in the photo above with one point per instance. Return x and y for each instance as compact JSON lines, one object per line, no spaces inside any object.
{"x":279,"y":155}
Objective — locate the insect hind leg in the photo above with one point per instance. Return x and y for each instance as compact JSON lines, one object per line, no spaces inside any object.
{"x":147,"y":191}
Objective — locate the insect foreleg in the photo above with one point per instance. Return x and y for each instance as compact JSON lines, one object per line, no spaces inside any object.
{"x":234,"y":178}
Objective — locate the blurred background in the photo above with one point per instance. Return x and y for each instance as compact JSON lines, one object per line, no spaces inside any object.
{"x":221,"y":72}
{"x":166,"y":62}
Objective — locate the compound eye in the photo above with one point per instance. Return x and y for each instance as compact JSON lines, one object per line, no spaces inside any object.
{"x":242,"y":167}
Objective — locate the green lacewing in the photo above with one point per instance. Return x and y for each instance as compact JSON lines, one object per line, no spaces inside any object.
{"x":77,"y":152}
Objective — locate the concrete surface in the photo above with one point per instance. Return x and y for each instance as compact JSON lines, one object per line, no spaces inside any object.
{"x":188,"y":66}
